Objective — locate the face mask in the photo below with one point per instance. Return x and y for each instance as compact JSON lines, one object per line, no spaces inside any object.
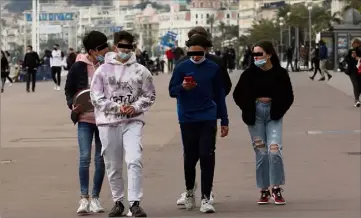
{"x":124,"y":56}
{"x":100,"y":58}
{"x":198,"y":62}
{"x":260,"y":63}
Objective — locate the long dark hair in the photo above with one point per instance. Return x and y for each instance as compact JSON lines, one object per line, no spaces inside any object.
{"x":3,"y":54}
{"x":267,"y":46}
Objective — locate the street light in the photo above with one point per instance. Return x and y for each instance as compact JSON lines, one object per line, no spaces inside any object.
{"x":281,"y":19}
{"x":289,"y":30}
{"x":309,"y":8}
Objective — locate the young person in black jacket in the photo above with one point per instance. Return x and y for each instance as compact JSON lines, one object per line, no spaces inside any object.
{"x":79,"y":78}
{"x":31,"y":63}
{"x":264,"y":94}
{"x":218,"y":60}
{"x":4,"y":70}
{"x":355,"y":77}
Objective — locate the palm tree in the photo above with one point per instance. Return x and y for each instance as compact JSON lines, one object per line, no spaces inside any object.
{"x":263,"y":30}
{"x":222,"y":27}
{"x":211,"y":20}
{"x":352,"y":4}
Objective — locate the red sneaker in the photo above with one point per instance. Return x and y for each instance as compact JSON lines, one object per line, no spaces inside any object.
{"x":265,"y":196}
{"x":277,"y":196}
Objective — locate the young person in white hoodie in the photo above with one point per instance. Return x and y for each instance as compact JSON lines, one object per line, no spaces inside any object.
{"x":56,"y":62}
{"x":121,"y":91}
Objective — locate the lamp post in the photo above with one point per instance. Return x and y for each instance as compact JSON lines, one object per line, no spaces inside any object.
{"x":289,"y":30}
{"x":309,"y":7}
{"x":33,"y":24}
{"x":281,"y":23}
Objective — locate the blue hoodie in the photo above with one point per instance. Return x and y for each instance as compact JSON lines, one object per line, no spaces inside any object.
{"x":323,"y":52}
{"x":204,"y":102}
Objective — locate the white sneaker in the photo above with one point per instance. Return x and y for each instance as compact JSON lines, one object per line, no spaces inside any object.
{"x":206,"y":207}
{"x":95,"y":206}
{"x":84,"y":206}
{"x":211,"y":199}
{"x":181,"y":200}
{"x":190,"y":200}
{"x":55,"y":87}
{"x":58,"y":88}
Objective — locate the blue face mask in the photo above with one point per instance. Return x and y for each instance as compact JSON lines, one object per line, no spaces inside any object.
{"x":124,"y":56}
{"x":260,"y":63}
{"x":100,"y":58}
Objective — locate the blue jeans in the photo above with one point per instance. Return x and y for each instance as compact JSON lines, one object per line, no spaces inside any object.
{"x":266,"y":136}
{"x":86,"y":132}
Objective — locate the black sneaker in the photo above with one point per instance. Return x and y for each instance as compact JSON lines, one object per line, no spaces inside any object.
{"x":137,"y":211}
{"x":117,"y":210}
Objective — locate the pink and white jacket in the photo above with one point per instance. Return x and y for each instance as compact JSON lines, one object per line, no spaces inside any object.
{"x":115,"y":84}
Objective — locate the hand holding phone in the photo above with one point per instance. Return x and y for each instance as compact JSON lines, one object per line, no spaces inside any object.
{"x":189,"y":83}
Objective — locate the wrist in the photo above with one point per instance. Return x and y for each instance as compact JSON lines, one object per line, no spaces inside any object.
{"x":225,"y":122}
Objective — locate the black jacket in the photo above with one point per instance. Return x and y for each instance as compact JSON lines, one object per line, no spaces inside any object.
{"x":31,"y":60}
{"x":4,"y":65}
{"x":225,"y":76}
{"x":70,"y":60}
{"x":244,"y":96}
{"x":141,"y":60}
{"x":76,"y":80}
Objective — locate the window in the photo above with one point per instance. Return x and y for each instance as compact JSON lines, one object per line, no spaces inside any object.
{"x":201,"y":16}
{"x":196,"y":22}
{"x":228,"y":16}
{"x":196,"y":15}
{"x":207,"y":15}
{"x":201,"y":4}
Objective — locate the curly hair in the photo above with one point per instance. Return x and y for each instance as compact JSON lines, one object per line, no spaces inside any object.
{"x":198,"y":40}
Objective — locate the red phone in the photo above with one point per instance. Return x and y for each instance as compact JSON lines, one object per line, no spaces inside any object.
{"x":189,"y":79}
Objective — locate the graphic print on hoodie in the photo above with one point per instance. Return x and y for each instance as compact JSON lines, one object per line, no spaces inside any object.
{"x":115,"y":84}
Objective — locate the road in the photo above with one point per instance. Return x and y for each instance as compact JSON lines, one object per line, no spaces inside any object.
{"x":39,"y":157}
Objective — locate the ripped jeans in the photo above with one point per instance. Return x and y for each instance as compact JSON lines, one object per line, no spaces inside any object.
{"x":266,"y":136}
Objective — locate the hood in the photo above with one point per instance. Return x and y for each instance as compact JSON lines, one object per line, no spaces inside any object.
{"x":110,"y":58}
{"x":83,"y":58}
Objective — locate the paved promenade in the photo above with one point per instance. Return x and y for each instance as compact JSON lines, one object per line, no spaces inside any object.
{"x":39,"y":157}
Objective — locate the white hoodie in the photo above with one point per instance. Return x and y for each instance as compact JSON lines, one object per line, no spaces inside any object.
{"x":56,"y":60}
{"x":115,"y":84}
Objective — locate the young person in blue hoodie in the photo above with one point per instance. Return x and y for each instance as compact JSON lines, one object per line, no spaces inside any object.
{"x":196,"y":83}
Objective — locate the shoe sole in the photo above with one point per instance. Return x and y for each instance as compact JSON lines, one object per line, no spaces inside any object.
{"x":209,"y":211}
{"x":84,"y":213}
{"x":262,"y":203}
{"x":95,"y":211}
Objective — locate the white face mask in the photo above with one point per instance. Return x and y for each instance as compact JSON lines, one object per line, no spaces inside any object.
{"x":198,"y":62}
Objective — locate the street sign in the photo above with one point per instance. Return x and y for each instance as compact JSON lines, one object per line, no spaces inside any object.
{"x":52,"y":17}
